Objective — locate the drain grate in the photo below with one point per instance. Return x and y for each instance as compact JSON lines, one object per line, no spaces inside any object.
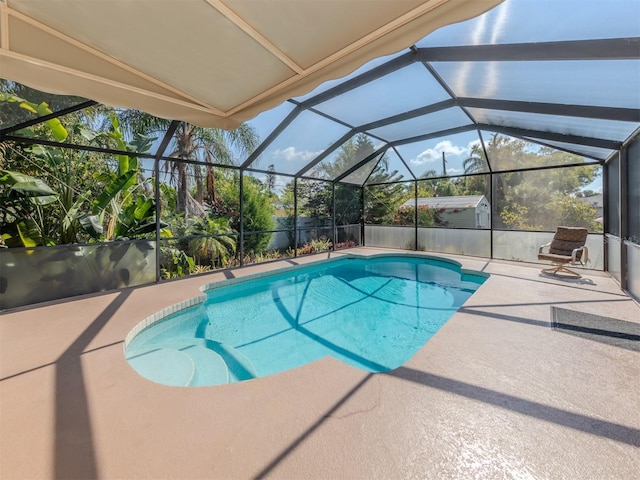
{"x":611,"y":331}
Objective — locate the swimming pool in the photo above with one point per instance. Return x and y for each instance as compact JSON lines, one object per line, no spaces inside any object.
{"x":372,"y":312}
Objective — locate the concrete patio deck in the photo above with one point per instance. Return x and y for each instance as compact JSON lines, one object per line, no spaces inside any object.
{"x":496,"y":393}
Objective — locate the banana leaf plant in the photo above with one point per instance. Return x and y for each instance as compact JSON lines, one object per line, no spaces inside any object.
{"x":21,"y":199}
{"x":40,"y":109}
{"x":126,"y":212}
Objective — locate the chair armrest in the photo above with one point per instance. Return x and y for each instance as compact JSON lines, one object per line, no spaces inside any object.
{"x":543,"y":246}
{"x":584,"y":257}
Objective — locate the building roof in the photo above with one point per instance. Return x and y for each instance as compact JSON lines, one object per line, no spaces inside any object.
{"x":593,"y":200}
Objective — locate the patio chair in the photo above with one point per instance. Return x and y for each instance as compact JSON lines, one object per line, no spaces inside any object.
{"x":567,"y":247}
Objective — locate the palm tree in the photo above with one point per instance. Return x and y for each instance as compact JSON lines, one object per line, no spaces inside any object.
{"x":476,"y":162}
{"x":209,"y":145}
{"x":217,"y":245}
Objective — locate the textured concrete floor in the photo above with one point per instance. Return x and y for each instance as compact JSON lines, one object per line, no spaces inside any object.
{"x":496,"y":393}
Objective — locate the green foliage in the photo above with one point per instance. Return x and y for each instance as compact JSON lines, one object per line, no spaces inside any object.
{"x":175,"y":263}
{"x":20,"y":195}
{"x":217,"y":243}
{"x":258,"y":216}
{"x":383,"y":201}
{"x":266,"y":256}
{"x":427,"y":217}
{"x":314,"y":246}
{"x":348,"y":204}
{"x":138,"y":219}
{"x":208,"y":145}
{"x":544,"y":199}
{"x":66,"y":211}
{"x":516,"y":217}
{"x":40,"y":109}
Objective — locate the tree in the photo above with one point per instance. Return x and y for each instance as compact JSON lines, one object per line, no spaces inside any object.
{"x":258,"y":215}
{"x":476,"y":162}
{"x":540,"y":199}
{"x":216,"y":243}
{"x":192,"y":143}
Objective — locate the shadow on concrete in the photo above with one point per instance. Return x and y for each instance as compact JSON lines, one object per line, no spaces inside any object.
{"x":579,"y":284}
{"x":298,"y":441}
{"x":583,"y":423}
{"x":73,"y":449}
{"x":576,"y":421}
{"x":477,"y":310}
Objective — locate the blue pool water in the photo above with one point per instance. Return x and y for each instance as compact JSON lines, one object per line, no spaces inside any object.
{"x":373,"y":313}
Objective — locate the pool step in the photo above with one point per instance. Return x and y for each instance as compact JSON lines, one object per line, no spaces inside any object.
{"x":240,"y":367}
{"x":210,"y":368}
{"x":192,"y":362}
{"x":164,"y":365}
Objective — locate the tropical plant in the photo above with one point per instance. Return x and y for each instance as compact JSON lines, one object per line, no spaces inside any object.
{"x":122,"y":205}
{"x":476,"y":162}
{"x":541,"y":199}
{"x":192,"y":143}
{"x":258,"y":216}
{"x":215,"y":243}
{"x":21,"y":199}
{"x":174,"y":262}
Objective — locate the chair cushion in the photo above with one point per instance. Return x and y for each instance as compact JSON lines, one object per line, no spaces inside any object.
{"x":554,"y":258}
{"x":566,"y":239}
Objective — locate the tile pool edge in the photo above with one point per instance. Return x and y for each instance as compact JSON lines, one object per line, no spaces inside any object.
{"x":161,"y":315}
{"x":292,"y":268}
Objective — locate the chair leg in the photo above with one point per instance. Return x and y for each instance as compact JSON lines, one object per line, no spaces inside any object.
{"x":560,"y":268}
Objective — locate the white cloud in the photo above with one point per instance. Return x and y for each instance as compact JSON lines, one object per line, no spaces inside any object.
{"x":290,"y":154}
{"x":435,"y":154}
{"x":473,"y":143}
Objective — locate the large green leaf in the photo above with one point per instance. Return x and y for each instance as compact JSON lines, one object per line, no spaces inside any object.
{"x":91,"y":224}
{"x":58,"y":130}
{"x":54,"y":124}
{"x":29,"y":233}
{"x":111,"y":191}
{"x":72,"y":214}
{"x":22,"y":233}
{"x":28,"y":186}
{"x":144,"y":207}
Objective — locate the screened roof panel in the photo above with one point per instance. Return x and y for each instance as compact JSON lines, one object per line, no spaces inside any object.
{"x":594,"y":100}
{"x":609,"y":83}
{"x":425,"y":158}
{"x":348,"y":155}
{"x":509,"y":153}
{"x":323,"y":87}
{"x":586,"y":150}
{"x":582,"y":127}
{"x":390,"y":168}
{"x":300,"y":143}
{"x":359,"y":176}
{"x":265,"y":123}
{"x":400,"y":91}
{"x":252,"y":56}
{"x":422,"y":125}
{"x":522,"y":21}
